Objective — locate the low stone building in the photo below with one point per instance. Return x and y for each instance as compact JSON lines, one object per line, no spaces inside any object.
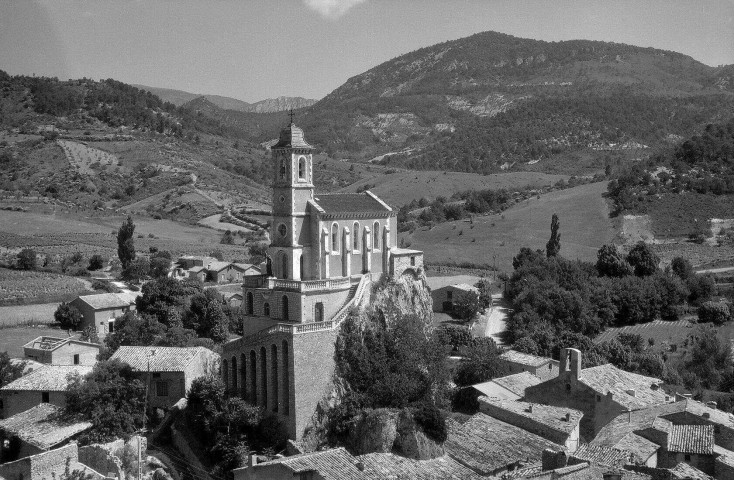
{"x":61,"y":351}
{"x":445,"y":297}
{"x":50,"y":464}
{"x":542,"y":367}
{"x":37,"y":430}
{"x":101,"y":310}
{"x":557,"y":424}
{"x":169,"y":370}
{"x":510,"y":387}
{"x":47,"y":384}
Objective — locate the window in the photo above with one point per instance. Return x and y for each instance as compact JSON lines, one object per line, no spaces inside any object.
{"x":318,"y":312}
{"x":111,"y":326}
{"x":355,"y":242}
{"x":266,"y":309}
{"x":376,"y":236}
{"x":282,"y":230}
{"x":76,"y":359}
{"x":687,"y":457}
{"x":44,"y":397}
{"x":282,"y":168}
{"x":568,"y":387}
{"x":412,"y":261}
{"x":284,"y":303}
{"x":302,"y":168}
{"x":161,"y":388}
{"x":250,"y":304}
{"x":335,"y":238}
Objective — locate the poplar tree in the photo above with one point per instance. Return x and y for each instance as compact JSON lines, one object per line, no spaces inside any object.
{"x":554,"y":244}
{"x":125,"y":244}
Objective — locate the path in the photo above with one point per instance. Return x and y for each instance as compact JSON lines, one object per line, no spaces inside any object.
{"x":493,"y":322}
{"x":716,"y":270}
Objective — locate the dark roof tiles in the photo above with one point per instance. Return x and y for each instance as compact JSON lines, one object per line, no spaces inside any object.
{"x":691,"y":439}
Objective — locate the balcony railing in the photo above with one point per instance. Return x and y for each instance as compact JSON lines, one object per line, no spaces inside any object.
{"x":261,"y":281}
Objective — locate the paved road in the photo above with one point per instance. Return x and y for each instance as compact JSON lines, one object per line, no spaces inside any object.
{"x":716,"y":270}
{"x":493,"y":321}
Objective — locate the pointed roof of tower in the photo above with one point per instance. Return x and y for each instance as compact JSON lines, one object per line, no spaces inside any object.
{"x":291,"y":137}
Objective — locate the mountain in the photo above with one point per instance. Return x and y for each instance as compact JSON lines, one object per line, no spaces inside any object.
{"x":269,"y":105}
{"x":492,"y":101}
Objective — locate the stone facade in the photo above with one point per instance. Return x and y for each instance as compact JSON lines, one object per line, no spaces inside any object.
{"x":47,"y":465}
{"x":66,"y":352}
{"x":102,"y":319}
{"x":14,"y":402}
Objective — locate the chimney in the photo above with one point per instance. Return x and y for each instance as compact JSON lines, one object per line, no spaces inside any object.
{"x":706,"y":415}
{"x":252,"y":460}
{"x":530,"y":408}
{"x":629,"y":416}
{"x":551,"y":460}
{"x":687,"y":396}
{"x":631,"y":391}
{"x":713,"y":405}
{"x":360,"y":466}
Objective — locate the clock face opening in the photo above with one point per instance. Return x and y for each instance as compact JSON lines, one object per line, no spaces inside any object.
{"x":282,"y":229}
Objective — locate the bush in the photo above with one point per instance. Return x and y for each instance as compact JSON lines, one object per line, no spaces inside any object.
{"x":455,"y":335}
{"x":715,"y":312}
{"x":68,"y":316}
{"x":27,"y":259}
{"x":466,"y":305}
{"x":432,"y":421}
{"x":96,"y":262}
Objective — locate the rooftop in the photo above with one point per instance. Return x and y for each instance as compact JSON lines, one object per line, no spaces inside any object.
{"x":102,"y":301}
{"x":487,"y":445}
{"x":630,"y":389}
{"x":291,"y":137}
{"x":42,"y":426}
{"x":48,"y":378}
{"x":334,"y":464}
{"x":217,"y":265}
{"x":342,"y":203}
{"x":684,"y":471}
{"x":52,"y":343}
{"x":162,"y":359}
{"x":691,"y":439}
{"x":600,"y":455}
{"x":516,"y":383}
{"x":552,"y":417}
{"x":393,"y":467}
{"x":640,"y":447}
{"x":525,"y":358}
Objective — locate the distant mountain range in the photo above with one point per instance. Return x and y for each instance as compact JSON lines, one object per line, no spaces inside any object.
{"x":181,"y":98}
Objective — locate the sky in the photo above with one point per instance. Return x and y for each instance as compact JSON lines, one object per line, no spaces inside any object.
{"x":257,"y":49}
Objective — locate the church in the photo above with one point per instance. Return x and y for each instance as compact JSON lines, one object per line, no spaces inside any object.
{"x":325,"y":251}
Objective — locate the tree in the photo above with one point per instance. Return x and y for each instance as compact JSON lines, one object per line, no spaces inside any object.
{"x":643,"y":259}
{"x":111,"y":397}
{"x":125,"y":243}
{"x":27,"y":259}
{"x":682,"y":268}
{"x":136,"y":269}
{"x":133,"y":330}
{"x":96,"y":262}
{"x":160,"y":265}
{"x":609,"y":263}
{"x":206,"y":316}
{"x":89,"y":334}
{"x":466,"y":304}
{"x":481,"y":363}
{"x":485,"y":292}
{"x":9,"y":370}
{"x":162,"y":294}
{"x":715,"y":312}
{"x":554,"y":243}
{"x":218,"y":255}
{"x":68,"y":316}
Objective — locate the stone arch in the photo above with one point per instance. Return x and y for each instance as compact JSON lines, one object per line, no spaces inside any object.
{"x":225,"y":374}
{"x":283,"y":265}
{"x":376,"y":236}
{"x":284,"y":308}
{"x":264,"y":377}
{"x":234,"y":373}
{"x":253,"y":376}
{"x":301,"y":268}
{"x":249,"y":304}
{"x":286,"y":379}
{"x":274,"y":380}
{"x":318,"y":312}
{"x":355,"y":236}
{"x":334,"y":237}
{"x":243,"y":375}
{"x":302,"y":168}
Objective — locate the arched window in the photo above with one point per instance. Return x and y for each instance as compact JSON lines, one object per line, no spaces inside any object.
{"x":264,"y":377}
{"x":355,"y":241}
{"x":300,"y":268}
{"x":225,"y":374}
{"x":234,"y":373}
{"x":335,"y":238}
{"x":318,"y":314}
{"x":249,"y":304}
{"x":286,"y":380}
{"x":266,"y":309}
{"x":302,"y":168}
{"x":253,"y":376}
{"x":243,"y":375}
{"x":283,"y":265}
{"x":376,"y":236}
{"x":285,"y":307}
{"x":274,"y":375}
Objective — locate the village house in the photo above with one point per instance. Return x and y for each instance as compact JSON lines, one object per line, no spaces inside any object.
{"x":542,"y":367}
{"x":47,"y":384}
{"x":169,"y":371}
{"x":325,"y":252}
{"x":445,"y":297}
{"x":510,"y":387}
{"x":209,"y":269}
{"x":101,"y":310}
{"x":50,"y":464}
{"x":601,"y":392}
{"x":35,"y":431}
{"x":61,"y":351}
{"x":557,"y":424}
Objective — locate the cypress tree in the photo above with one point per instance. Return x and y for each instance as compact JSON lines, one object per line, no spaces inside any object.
{"x":554,"y":244}
{"x":125,"y":244}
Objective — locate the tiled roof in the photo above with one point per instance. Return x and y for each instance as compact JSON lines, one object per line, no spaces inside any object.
{"x":53,"y":343}
{"x":640,"y":447}
{"x":691,"y":439}
{"x":162,"y":359}
{"x":551,"y":417}
{"x":629,"y":422}
{"x":334,"y":464}
{"x":389,"y":466}
{"x":486,"y":444}
{"x":524,"y":358}
{"x":42,"y":426}
{"x":684,"y":471}
{"x":102,"y":301}
{"x":291,"y":137}
{"x":608,"y":378}
{"x":28,"y":364}
{"x":518,"y":382}
{"x":245,"y":266}
{"x":600,"y":455}
{"x":217,"y":266}
{"x":349,"y":203}
{"x":48,"y":378}
{"x":197,"y":269}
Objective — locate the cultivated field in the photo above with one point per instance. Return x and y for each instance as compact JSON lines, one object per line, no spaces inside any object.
{"x":39,"y":314}
{"x":585,"y":226}
{"x":84,"y":157}
{"x":400,"y":187}
{"x":659,"y":330}
{"x":32,"y":287}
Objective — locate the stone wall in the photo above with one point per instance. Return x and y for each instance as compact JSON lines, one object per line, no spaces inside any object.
{"x":723,"y":468}
{"x":15,"y":402}
{"x":46,"y":465}
{"x":99,"y":457}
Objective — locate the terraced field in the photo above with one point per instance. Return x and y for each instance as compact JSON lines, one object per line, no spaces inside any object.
{"x":85,"y":157}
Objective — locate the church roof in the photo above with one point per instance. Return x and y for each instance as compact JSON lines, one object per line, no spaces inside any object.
{"x":291,"y":137}
{"x":354,"y":203}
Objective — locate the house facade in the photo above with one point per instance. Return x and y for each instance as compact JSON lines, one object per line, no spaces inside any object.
{"x":542,"y":367}
{"x":47,"y":384}
{"x":102,"y":309}
{"x":445,"y":297}
{"x":61,"y":351}
{"x":325,"y":251}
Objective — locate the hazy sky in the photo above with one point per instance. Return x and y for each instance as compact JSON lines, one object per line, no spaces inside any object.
{"x":255,"y":49}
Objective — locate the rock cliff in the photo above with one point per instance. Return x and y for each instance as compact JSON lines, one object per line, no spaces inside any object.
{"x":403,"y":295}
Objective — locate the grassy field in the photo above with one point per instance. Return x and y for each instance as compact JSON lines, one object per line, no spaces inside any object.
{"x":400,"y":187}
{"x":31,"y":287}
{"x":585,"y":226}
{"x":675,"y":216}
{"x":39,"y":314}
{"x":13,"y":339}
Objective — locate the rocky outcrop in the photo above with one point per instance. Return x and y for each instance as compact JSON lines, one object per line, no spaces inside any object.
{"x":406,"y":294}
{"x":411,"y":442}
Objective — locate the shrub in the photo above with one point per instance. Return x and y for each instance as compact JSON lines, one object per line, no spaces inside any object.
{"x":715,"y":312}
{"x":68,"y":316}
{"x":96,"y":262}
{"x":432,"y":421}
{"x":455,"y":335}
{"x":27,"y":259}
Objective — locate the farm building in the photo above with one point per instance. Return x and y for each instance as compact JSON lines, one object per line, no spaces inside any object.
{"x":169,"y":370}
{"x":61,"y":351}
{"x":32,"y":433}
{"x":542,"y":367}
{"x":48,"y":384}
{"x":209,"y":269}
{"x":102,"y":309}
{"x":444,"y":297}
